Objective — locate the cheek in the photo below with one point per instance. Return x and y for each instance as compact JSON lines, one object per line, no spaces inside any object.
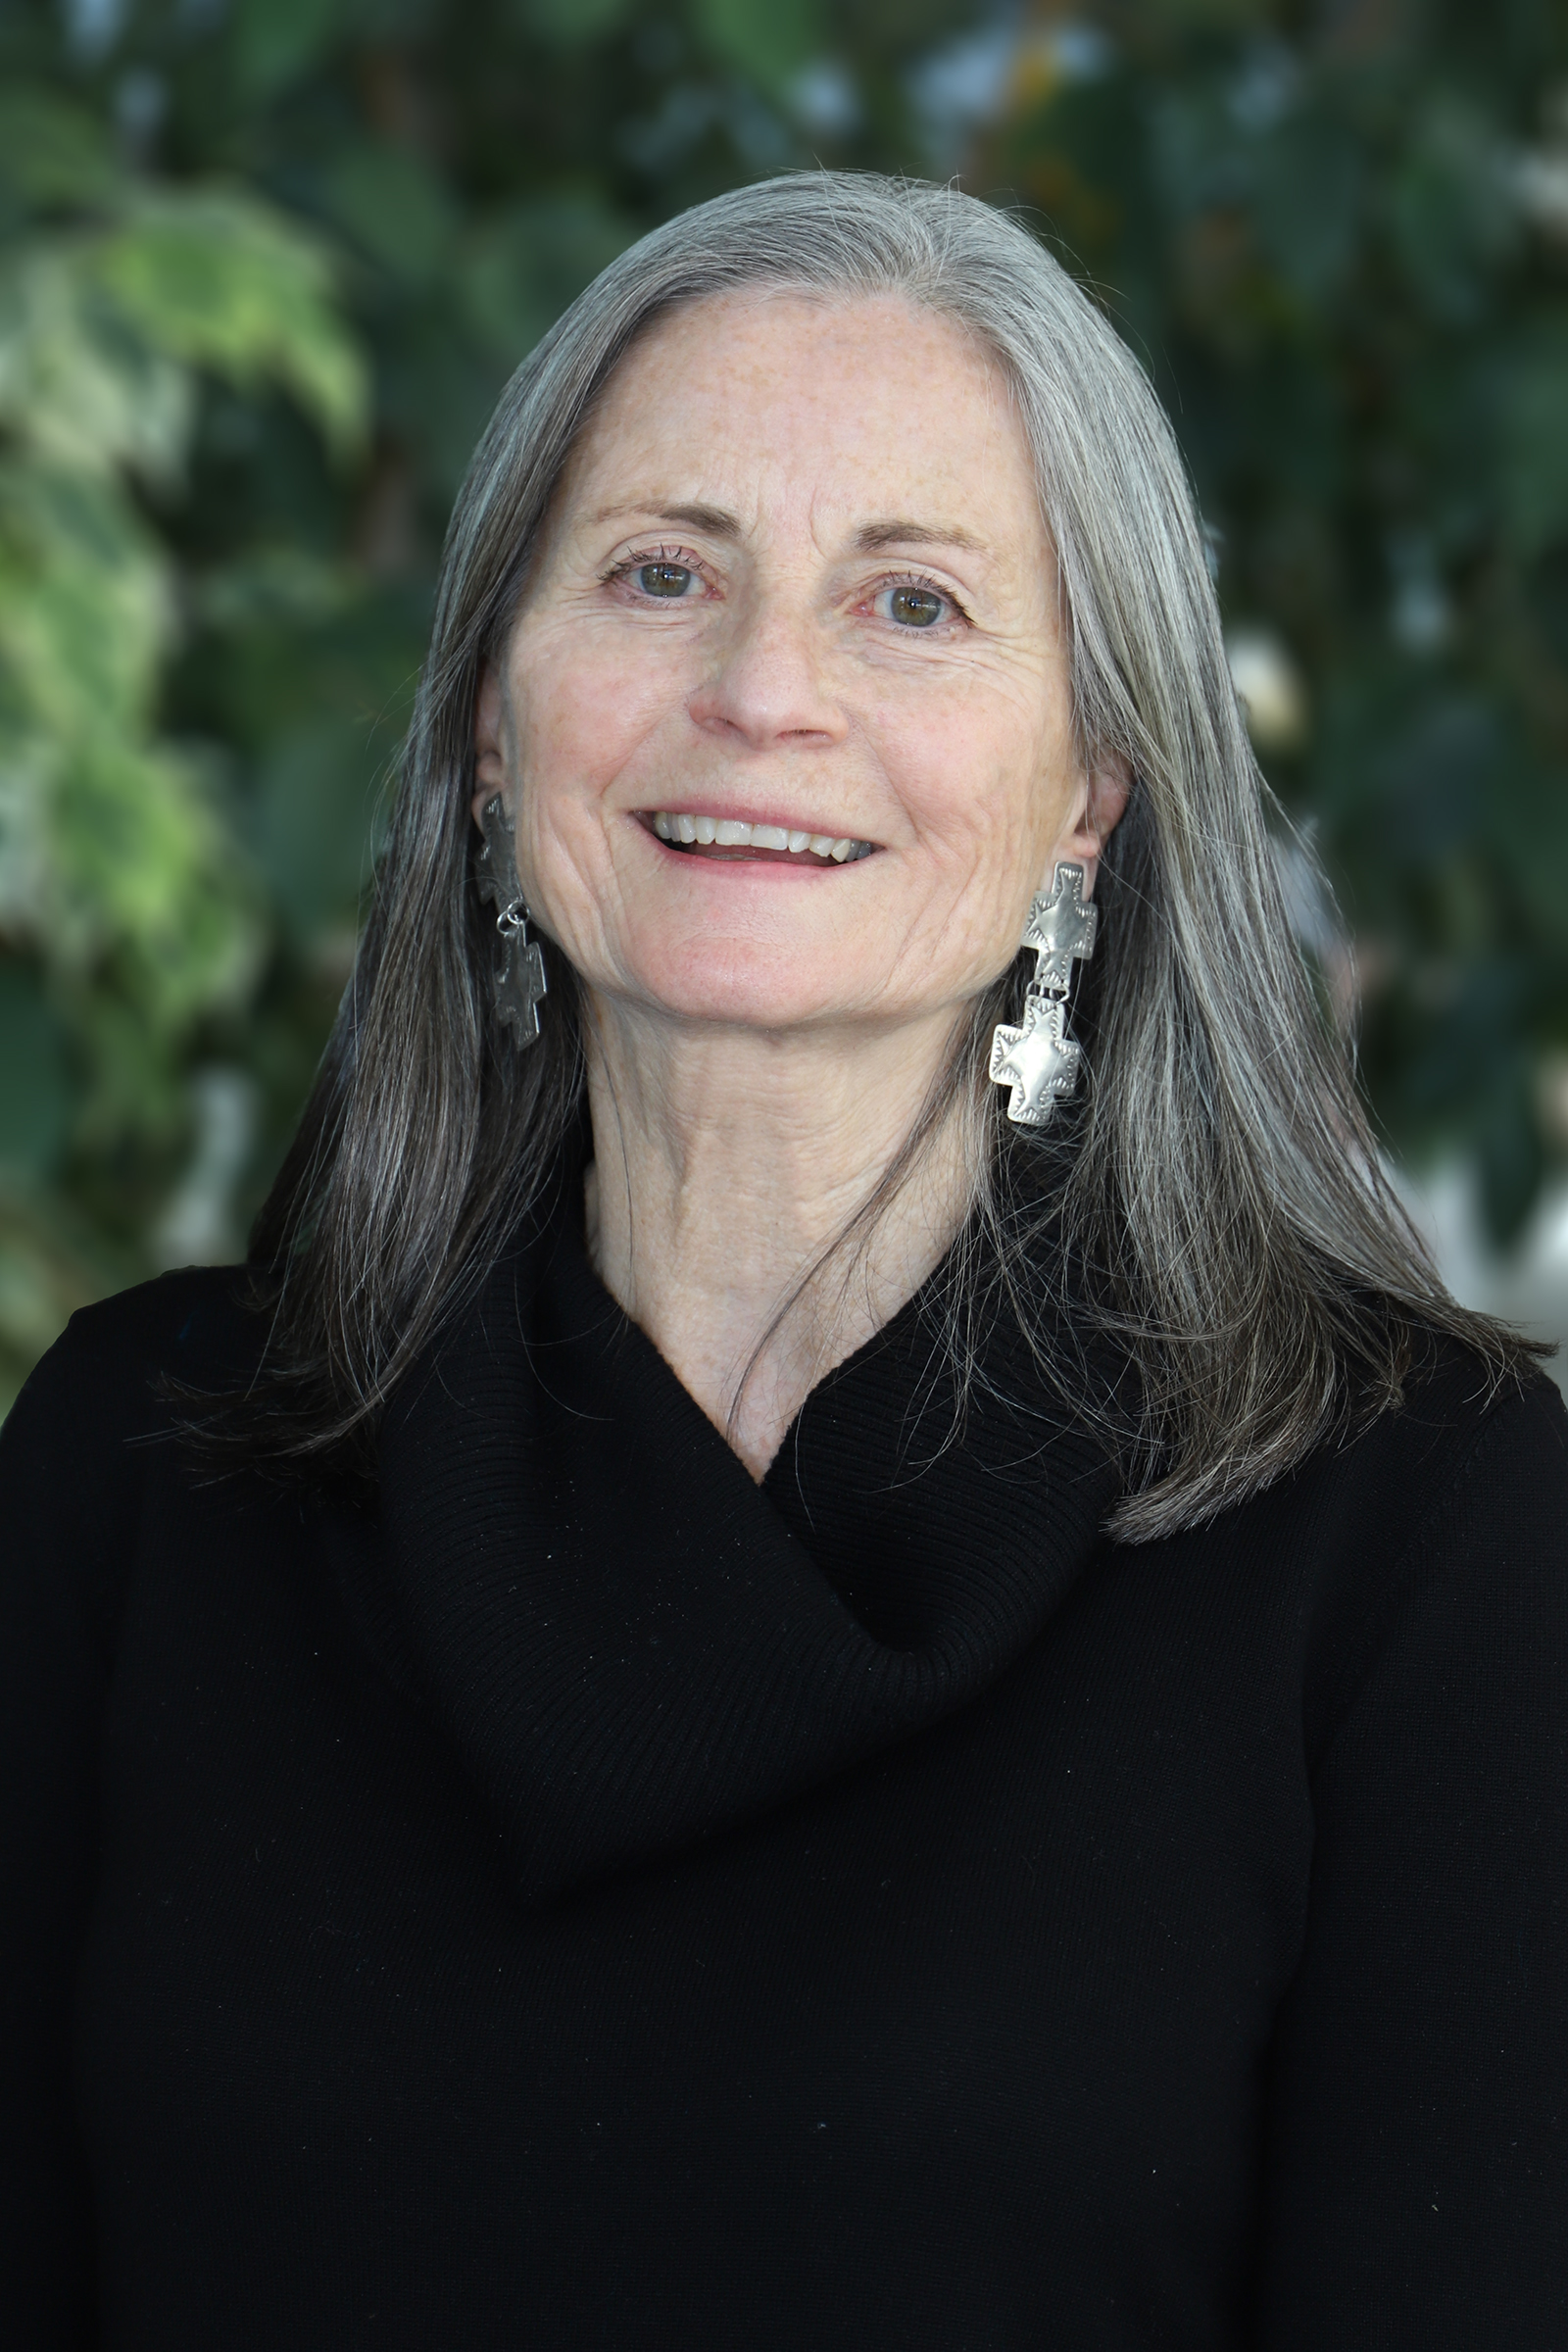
{"x":981,"y":773}
{"x":583,"y":724}
{"x":584,"y":710}
{"x":570,"y":739}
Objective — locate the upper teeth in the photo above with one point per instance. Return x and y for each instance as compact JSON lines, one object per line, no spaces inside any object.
{"x":729,"y":833}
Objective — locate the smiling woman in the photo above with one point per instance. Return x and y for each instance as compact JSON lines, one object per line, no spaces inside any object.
{"x":838,"y":1643}
{"x":842,"y":703}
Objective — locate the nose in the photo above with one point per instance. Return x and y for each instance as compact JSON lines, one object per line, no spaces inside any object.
{"x":768,"y":688}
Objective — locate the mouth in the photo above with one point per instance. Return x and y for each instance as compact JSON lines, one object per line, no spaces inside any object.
{"x":732,"y":837}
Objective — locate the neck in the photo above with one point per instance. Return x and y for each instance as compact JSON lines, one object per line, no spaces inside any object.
{"x":726,"y":1163}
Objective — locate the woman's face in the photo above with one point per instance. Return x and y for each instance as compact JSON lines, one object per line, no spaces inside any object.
{"x":795,"y":592}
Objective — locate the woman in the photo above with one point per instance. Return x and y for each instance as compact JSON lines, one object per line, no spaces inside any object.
{"x":773,"y":1680}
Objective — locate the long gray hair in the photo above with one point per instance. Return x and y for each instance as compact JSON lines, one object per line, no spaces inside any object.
{"x":1213,"y":1212}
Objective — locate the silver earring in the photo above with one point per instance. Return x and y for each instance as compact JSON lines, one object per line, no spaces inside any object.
{"x":518,"y":974}
{"x":1038,"y":1059}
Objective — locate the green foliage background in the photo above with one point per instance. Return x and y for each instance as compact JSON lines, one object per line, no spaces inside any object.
{"x":265,"y":265}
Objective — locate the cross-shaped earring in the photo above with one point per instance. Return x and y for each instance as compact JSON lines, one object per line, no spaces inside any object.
{"x":519,"y":973}
{"x":1036,"y":1058}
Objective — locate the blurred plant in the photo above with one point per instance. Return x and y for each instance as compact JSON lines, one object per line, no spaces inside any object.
{"x":1338,"y":235}
{"x":264,"y":267}
{"x":128,"y":915}
{"x":266,"y":263}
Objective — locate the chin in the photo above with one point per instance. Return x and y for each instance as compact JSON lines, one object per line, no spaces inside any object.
{"x":754,"y":987}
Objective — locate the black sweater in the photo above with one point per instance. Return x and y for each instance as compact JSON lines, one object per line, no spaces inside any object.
{"x":592,"y":1902}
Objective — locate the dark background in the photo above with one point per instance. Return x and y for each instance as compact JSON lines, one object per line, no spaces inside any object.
{"x":265,"y":265}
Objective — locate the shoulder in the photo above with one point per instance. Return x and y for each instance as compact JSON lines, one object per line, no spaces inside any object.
{"x":1454,"y":1499}
{"x":1386,"y":1483}
{"x":1461,"y":1515}
{"x":74,"y":1446}
{"x":110,"y":1359}
{"x":1467,"y":1480}
{"x":1390,"y":1487}
{"x":1459,"y":1423}
{"x":1466,"y":1455}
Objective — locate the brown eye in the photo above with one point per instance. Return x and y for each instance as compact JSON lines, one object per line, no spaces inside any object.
{"x":914,"y":608}
{"x":664,"y":579}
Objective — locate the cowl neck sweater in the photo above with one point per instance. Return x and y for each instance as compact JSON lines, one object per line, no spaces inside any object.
{"x":630,"y":1642}
{"x":596,"y":1902}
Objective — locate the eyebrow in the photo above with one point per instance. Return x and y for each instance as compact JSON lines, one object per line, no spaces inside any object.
{"x":899,"y":531}
{"x":894,"y":530}
{"x":714,"y":519}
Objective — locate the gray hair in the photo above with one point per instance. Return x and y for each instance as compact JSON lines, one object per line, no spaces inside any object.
{"x":1211,"y":1214}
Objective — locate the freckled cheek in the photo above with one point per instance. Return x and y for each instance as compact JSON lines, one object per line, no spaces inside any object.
{"x":583,"y":729}
{"x":974,"y":791}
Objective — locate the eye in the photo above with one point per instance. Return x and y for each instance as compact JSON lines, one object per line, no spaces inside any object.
{"x":664,"y":579}
{"x":916,"y":608}
{"x":913,"y":605}
{"x":672,"y":574}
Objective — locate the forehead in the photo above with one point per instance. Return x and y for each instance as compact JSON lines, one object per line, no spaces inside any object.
{"x":855,"y":403}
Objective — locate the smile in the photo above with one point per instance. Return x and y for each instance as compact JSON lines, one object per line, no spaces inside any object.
{"x":732,"y":836}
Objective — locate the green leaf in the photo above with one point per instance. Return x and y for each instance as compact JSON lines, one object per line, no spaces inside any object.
{"x":271,"y":585}
{"x":768,"y":43}
{"x":52,"y":151}
{"x":49,"y":1266}
{"x":392,"y":204}
{"x":34,"y":1080}
{"x":224,"y":282}
{"x":85,"y":603}
{"x":521,"y":267}
{"x":312,"y":824}
{"x":75,"y":387}
{"x":277,"y":41}
{"x":147,"y":880}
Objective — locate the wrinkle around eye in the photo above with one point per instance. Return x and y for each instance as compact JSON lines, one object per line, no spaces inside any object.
{"x":952,"y":615}
{"x":619,"y":578}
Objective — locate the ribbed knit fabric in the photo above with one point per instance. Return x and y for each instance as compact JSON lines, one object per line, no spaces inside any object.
{"x":593,"y":1903}
{"x":626,"y":1651}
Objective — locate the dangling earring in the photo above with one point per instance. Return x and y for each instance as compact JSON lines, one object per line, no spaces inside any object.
{"x":1039,"y":1060}
{"x":518,"y":974}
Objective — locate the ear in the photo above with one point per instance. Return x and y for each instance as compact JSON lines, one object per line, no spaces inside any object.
{"x":1106,"y":795}
{"x":490,"y":773}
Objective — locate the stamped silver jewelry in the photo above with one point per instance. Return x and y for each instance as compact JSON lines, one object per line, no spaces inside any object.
{"x":519,"y":973}
{"x":1038,"y":1059}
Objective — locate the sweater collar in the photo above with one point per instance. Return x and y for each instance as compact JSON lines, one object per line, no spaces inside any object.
{"x":630,"y":1643}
